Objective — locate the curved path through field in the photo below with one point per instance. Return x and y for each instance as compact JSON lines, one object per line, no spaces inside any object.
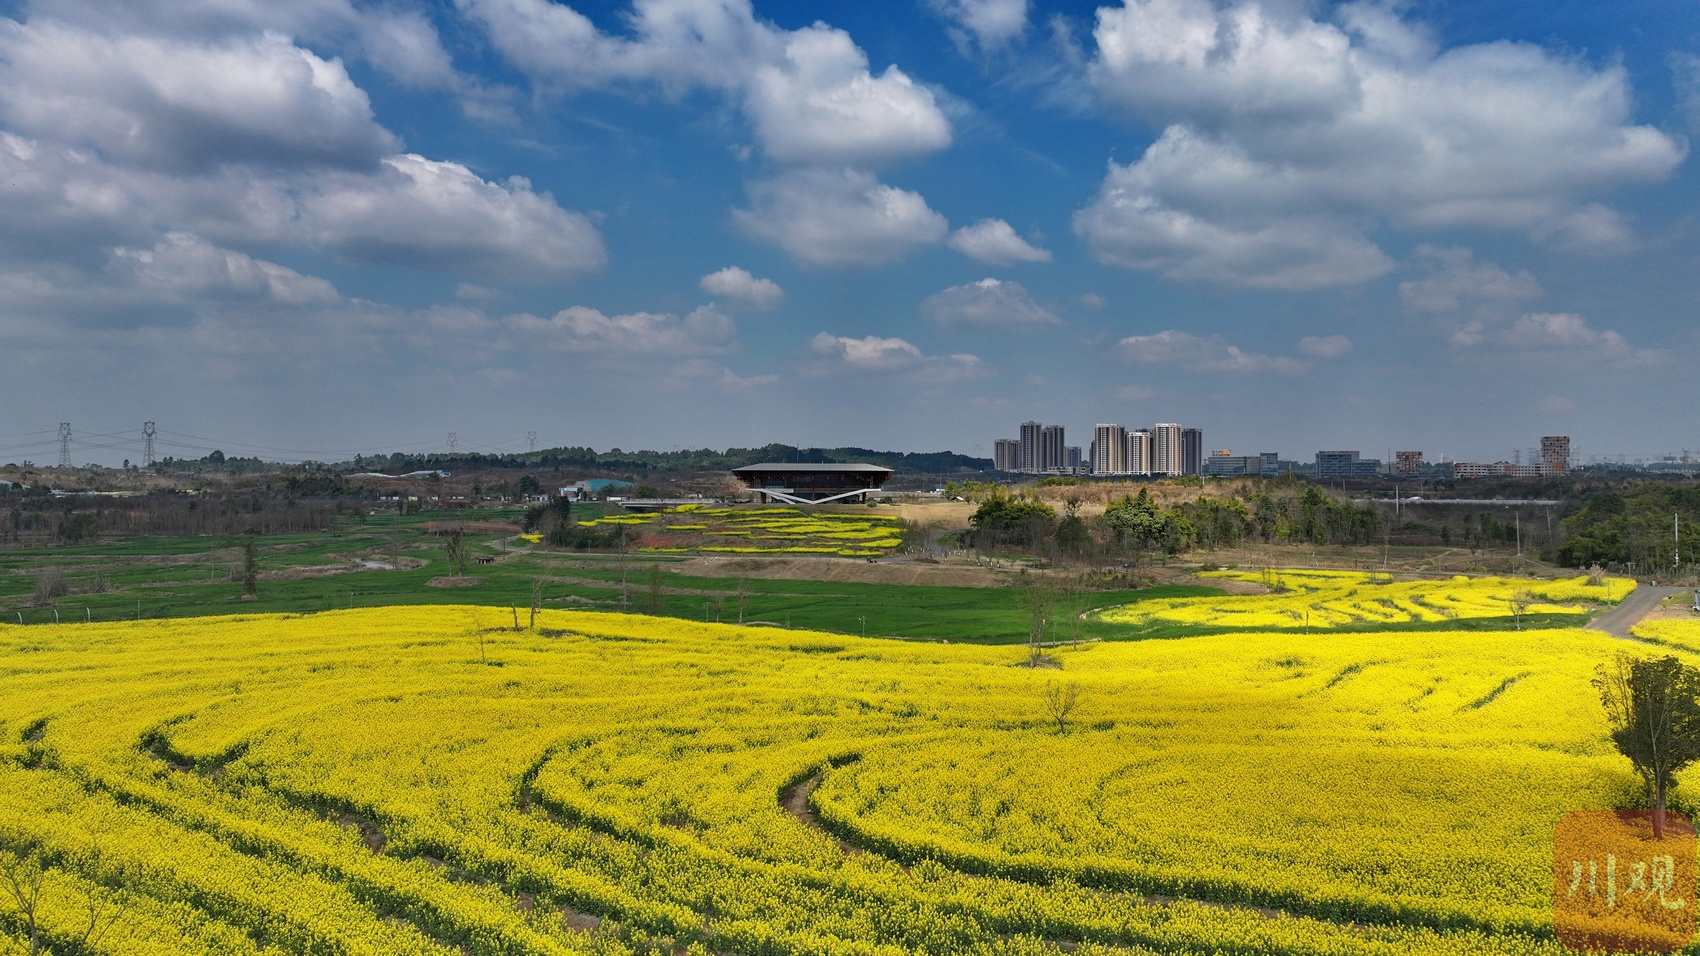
{"x":1626,"y":615}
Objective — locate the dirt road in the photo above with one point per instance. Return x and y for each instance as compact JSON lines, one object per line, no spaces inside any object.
{"x":1620,"y":619}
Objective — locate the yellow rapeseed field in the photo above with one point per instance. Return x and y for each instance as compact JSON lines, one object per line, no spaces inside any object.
{"x":424,"y":780}
{"x":1325,"y":599}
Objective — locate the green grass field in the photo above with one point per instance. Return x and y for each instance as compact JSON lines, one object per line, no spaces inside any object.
{"x":167,"y":577}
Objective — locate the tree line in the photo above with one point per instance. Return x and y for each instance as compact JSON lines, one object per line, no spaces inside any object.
{"x":1138,"y":524}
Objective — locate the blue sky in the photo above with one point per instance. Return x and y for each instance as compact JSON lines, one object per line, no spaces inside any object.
{"x":327,"y":227}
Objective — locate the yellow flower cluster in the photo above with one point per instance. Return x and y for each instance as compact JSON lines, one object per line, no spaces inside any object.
{"x":824,"y":532}
{"x":425,"y":780}
{"x":1334,"y":599}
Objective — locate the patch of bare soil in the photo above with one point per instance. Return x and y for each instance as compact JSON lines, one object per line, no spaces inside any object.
{"x":450,"y":581}
{"x":1186,"y":576}
{"x":795,"y":801}
{"x":473,"y":527}
{"x":842,"y":569}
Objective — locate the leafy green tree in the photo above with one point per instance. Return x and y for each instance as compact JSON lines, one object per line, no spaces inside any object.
{"x":1654,"y":709}
{"x":1137,"y":522}
{"x":1005,"y":520}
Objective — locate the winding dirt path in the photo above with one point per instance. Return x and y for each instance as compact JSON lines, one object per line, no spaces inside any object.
{"x":1626,"y":615}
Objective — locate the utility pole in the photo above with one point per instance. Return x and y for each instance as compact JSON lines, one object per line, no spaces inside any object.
{"x":148,"y":433}
{"x":1676,"y":541}
{"x":64,"y":444}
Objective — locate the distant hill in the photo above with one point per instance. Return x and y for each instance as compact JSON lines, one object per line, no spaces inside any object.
{"x":650,"y":462}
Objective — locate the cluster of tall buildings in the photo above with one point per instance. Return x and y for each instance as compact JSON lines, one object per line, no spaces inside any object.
{"x":1041,"y":450}
{"x":1163,"y":449}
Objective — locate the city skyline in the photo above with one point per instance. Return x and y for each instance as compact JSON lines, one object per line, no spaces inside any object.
{"x":349,"y":227}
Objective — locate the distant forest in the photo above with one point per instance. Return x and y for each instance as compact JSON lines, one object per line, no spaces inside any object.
{"x":651,"y":462}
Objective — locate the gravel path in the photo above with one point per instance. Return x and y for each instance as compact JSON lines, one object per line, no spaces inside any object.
{"x":1626,"y":615}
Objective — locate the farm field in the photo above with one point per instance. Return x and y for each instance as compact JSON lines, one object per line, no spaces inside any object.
{"x":430,"y":780}
{"x":150,"y":578}
{"x":1366,"y":600}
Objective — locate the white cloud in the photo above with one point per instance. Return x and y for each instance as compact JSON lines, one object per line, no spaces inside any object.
{"x":1458,"y":283}
{"x":1134,"y":393}
{"x":989,"y":24}
{"x":821,"y":105}
{"x":809,"y":93}
{"x":874,"y":354}
{"x":993,"y":241}
{"x":1325,"y":346}
{"x":700,"y":370}
{"x":742,"y":288}
{"x":839,"y":217}
{"x":243,"y":140}
{"x":183,"y":264}
{"x":989,"y":303}
{"x":1094,"y":301}
{"x":1278,"y":125}
{"x":440,"y":216}
{"x":1466,"y":299}
{"x":179,"y":106}
{"x":1685,"y":77}
{"x":646,"y":334}
{"x":1202,"y":354}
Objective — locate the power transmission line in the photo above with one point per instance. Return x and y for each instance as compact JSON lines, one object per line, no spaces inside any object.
{"x":453,"y":439}
{"x":530,"y":441}
{"x":64,"y":444}
{"x":148,"y":433}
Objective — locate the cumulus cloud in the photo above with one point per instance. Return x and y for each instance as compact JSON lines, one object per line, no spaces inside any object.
{"x":820,"y":104}
{"x":1202,"y":354}
{"x":186,"y":107}
{"x":649,"y":334}
{"x":809,"y":93}
{"x":988,"y":24}
{"x":436,"y":215}
{"x":1325,"y":346}
{"x":1285,"y":138}
{"x":874,"y":354}
{"x":1465,"y":298}
{"x":243,"y":139}
{"x":740,"y":288}
{"x":987,"y":304}
{"x":839,"y":217}
{"x":993,"y":241}
{"x":183,"y":264}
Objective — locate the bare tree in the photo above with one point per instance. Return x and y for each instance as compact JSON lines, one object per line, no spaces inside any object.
{"x":1038,"y":599}
{"x":655,"y":599}
{"x":719,"y":602}
{"x":23,"y":876}
{"x":1655,"y":720}
{"x":1060,"y":700}
{"x":536,"y":600}
{"x":743,"y":594}
{"x":456,"y":550}
{"x":250,"y":564}
{"x":101,"y":908}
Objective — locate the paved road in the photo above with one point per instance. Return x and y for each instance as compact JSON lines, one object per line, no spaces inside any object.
{"x":1626,"y":615}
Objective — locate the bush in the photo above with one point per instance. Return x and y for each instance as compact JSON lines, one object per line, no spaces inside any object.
{"x":50,"y":586}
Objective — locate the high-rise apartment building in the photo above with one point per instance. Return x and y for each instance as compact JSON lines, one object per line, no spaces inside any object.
{"x":1408,"y":463}
{"x":1192,"y":451}
{"x":1555,"y":454}
{"x":1053,"y":455}
{"x":1030,"y":453}
{"x":1109,"y":449}
{"x":1006,"y":454}
{"x":1166,"y":448}
{"x":1072,"y":458}
{"x":1138,"y":453}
